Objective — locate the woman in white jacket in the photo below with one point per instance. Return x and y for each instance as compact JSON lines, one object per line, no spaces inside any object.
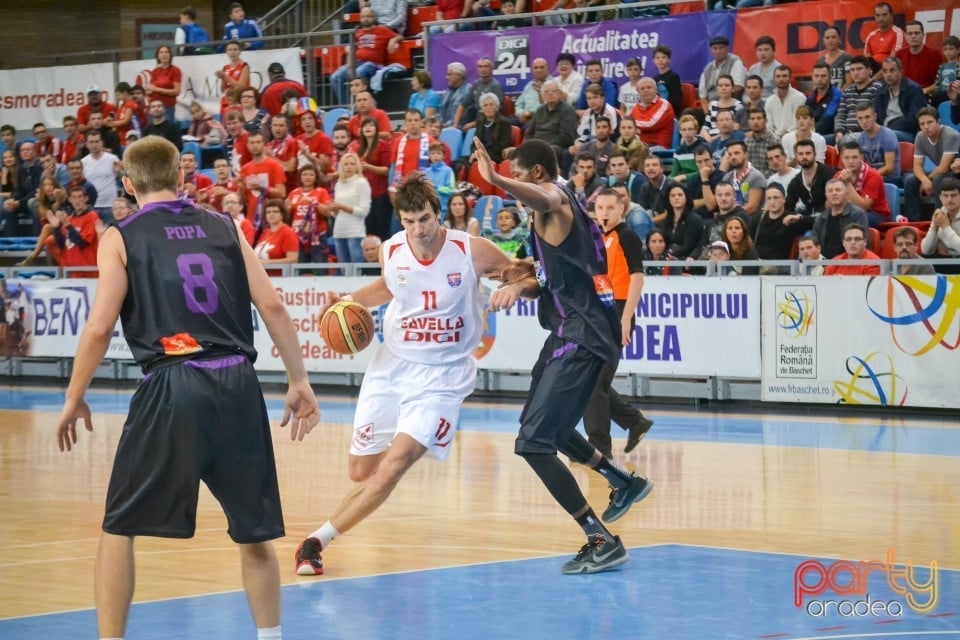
{"x":351,"y":204}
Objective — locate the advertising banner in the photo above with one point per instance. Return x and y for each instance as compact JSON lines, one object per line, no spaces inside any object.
{"x":48,"y":94}
{"x":683,"y":326}
{"x":199,"y":82}
{"x":612,"y":42}
{"x":798,"y":28}
{"x":885,"y":340}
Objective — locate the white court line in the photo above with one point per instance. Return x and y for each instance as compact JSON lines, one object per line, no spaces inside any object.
{"x":899,"y":634}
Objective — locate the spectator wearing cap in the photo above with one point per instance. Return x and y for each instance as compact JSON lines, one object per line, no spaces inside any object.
{"x":569,"y":80}
{"x":95,"y":102}
{"x":724,"y":63}
{"x":719,"y":251}
{"x":373,"y":43}
{"x":315,"y":147}
{"x":242,"y":28}
{"x":271,"y":97}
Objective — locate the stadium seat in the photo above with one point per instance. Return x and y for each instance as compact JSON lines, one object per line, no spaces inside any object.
{"x":330,"y":119}
{"x":453,"y":138}
{"x":516,"y":136}
{"x":467,"y":147}
{"x":906,"y":157}
{"x":690,"y":96}
{"x":194,"y":148}
{"x":416,"y":16}
{"x":507,"y":108}
{"x":474,"y":178}
{"x":944,"y":110}
{"x":893,"y":197}
{"x":887,"y":250}
{"x":210,"y":173}
{"x":832,"y":158}
{"x":486,"y":210}
{"x":873,"y":240}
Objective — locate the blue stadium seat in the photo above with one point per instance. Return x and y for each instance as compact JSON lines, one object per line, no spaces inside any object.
{"x":453,"y":138}
{"x":194,"y":148}
{"x":330,"y":119}
{"x":893,"y":197}
{"x":467,"y":147}
{"x":944,"y":110}
{"x":210,"y":173}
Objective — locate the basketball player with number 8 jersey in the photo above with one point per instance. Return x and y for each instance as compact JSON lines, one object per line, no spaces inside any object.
{"x":182,"y":282}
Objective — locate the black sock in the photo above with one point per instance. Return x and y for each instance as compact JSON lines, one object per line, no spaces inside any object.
{"x":592,"y":526}
{"x":617,"y":477}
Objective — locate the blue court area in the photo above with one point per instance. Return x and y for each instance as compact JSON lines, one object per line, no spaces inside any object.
{"x":924,"y":436}
{"x":665,"y":592}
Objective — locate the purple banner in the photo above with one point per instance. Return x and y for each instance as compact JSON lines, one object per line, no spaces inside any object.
{"x":612,"y":42}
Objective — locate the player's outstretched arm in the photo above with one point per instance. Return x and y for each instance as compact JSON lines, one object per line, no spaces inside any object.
{"x":536,"y":197}
{"x":95,"y":339}
{"x":489,"y":260}
{"x":301,"y":403}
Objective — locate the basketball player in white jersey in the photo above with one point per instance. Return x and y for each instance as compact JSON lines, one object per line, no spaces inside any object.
{"x":410,"y":399}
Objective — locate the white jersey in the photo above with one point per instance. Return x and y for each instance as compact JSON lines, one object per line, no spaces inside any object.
{"x":434,"y":317}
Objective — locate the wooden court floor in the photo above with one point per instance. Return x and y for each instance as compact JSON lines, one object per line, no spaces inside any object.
{"x":848,"y":487}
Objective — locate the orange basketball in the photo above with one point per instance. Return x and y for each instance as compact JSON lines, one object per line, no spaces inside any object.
{"x":347,"y":327}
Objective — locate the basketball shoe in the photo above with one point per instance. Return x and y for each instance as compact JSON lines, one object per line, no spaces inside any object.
{"x":596,"y":556}
{"x":309,"y":562}
{"x":622,"y":499}
{"x":636,"y":433}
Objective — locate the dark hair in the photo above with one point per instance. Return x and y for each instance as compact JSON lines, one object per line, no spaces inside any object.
{"x":568,"y":57}
{"x":122,"y":87}
{"x":865,"y":106}
{"x":585,"y":155}
{"x":190,"y":12}
{"x":953,"y":41}
{"x":416,"y":193}
{"x":537,"y":152}
{"x":852,"y":226}
{"x":664,"y":49}
{"x":776,"y":146}
{"x":593,"y":63}
{"x":737,"y":143}
{"x":602,"y":119}
{"x":804,"y":143}
{"x":949,"y":183}
{"x":753,"y":110}
{"x":914,"y":22}
{"x":776,"y":185}
{"x":784,"y":67}
{"x":905,"y":231}
{"x":928,"y":111}
{"x":765,"y":40}
{"x":850,"y":145}
{"x":812,"y":238}
{"x":861,"y":60}
{"x":279,"y":204}
{"x":822,"y":65}
{"x":701,"y":149}
{"x":364,"y":149}
{"x":754,"y":77}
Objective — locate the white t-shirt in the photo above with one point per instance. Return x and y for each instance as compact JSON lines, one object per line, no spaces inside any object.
{"x":434,"y":317}
{"x":101,"y":175}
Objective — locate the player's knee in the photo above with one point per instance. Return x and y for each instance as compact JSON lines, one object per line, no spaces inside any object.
{"x":389,"y":472}
{"x":361,"y":468}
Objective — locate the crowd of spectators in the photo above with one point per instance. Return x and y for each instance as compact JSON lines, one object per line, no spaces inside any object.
{"x":756,"y":169}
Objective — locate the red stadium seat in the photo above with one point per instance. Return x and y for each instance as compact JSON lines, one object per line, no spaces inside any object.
{"x":691,"y":97}
{"x":507,"y":108}
{"x":474,"y":178}
{"x":516,"y":136}
{"x":906,"y":157}
{"x":874,"y":241}
{"x":416,"y":16}
{"x":832,"y":157}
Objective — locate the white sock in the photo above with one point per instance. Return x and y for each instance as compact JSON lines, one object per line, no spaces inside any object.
{"x":325,"y":534}
{"x":273,"y":633}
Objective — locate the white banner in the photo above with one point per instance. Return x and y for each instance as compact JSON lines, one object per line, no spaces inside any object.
{"x":684,"y":326}
{"x":47,"y":94}
{"x":885,"y":340}
{"x":199,"y":82}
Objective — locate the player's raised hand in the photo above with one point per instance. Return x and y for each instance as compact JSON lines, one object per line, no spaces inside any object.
{"x":484,"y":163}
{"x":300,"y":410}
{"x":73,"y":410}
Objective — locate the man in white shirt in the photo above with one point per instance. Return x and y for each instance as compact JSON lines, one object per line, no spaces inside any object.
{"x":782,"y":105}
{"x":782,"y":173}
{"x":101,"y":168}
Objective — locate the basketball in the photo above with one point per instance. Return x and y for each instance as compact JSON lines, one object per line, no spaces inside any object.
{"x":347,"y":327}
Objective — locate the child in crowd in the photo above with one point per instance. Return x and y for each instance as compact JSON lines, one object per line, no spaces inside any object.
{"x":509,"y":236}
{"x":440,"y":174}
{"x":948,"y":72}
{"x":684,"y":163}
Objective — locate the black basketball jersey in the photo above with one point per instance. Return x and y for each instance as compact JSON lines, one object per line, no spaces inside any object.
{"x":576,"y":301}
{"x":188,"y":293}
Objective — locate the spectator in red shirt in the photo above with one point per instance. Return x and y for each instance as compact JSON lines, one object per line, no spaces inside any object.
{"x":233,"y":207}
{"x":277,"y":243}
{"x":864,"y":184}
{"x":271,"y":96}
{"x":920,"y":62}
{"x":314,"y":145}
{"x":261,"y":179}
{"x":126,"y":117}
{"x":76,"y":235}
{"x":373,"y":44}
{"x":855,"y":248}
{"x":653,"y":115}
{"x":411,"y":151}
{"x":72,"y":141}
{"x":283,"y":148}
{"x":366,"y":107}
{"x":236,"y":143}
{"x":165,"y":81}
{"x":46,"y":144}
{"x":95,"y":102}
{"x":213,"y":195}
{"x":884,"y":41}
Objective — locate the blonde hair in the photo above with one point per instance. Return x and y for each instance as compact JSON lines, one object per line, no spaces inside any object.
{"x":152,"y":164}
{"x":687,"y":118}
